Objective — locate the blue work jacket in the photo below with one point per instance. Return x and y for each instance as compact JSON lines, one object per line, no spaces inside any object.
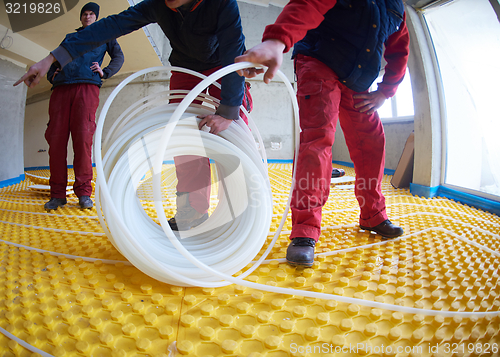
{"x":78,"y":70}
{"x":350,"y":39}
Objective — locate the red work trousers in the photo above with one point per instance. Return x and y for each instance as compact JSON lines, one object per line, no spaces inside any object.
{"x":193,"y":172}
{"x":72,"y":110}
{"x":322,"y":100}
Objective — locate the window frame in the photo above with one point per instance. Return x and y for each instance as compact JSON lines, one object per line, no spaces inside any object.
{"x":443,"y":108}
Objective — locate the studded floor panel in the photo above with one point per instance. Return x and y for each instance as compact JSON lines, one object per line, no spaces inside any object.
{"x":66,"y":291}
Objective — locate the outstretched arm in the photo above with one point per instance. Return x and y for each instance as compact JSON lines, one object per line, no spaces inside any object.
{"x":94,"y":36}
{"x":37,"y":71}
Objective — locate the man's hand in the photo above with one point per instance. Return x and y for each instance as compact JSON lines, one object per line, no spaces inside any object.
{"x":96,"y":68}
{"x":269,"y":53}
{"x":215,"y":122}
{"x":372,"y":101}
{"x":37,"y":71}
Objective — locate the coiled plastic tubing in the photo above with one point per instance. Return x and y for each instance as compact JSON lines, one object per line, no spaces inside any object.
{"x":147,"y":134}
{"x":150,"y":132}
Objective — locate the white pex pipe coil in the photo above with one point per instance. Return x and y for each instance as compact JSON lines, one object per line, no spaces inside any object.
{"x":131,"y":148}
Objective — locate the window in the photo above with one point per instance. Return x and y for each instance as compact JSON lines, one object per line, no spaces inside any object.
{"x":466,"y":39}
{"x":400,"y":106}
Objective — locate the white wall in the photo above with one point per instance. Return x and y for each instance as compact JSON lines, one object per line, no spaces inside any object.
{"x":12,"y":103}
{"x":35,"y":146}
{"x":254,"y":19}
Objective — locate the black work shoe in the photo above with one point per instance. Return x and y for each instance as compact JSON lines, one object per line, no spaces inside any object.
{"x":173,"y":224}
{"x":385,"y":229}
{"x":54,"y":203}
{"x":300,"y":252}
{"x":187,"y":225}
{"x":338,"y":173}
{"x":85,"y":202}
{"x":186,"y":216}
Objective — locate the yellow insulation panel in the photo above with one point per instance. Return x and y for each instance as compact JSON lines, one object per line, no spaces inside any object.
{"x":65,"y":305}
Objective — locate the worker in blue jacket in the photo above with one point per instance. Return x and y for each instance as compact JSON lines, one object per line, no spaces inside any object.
{"x":72,"y":107}
{"x":205,"y":35}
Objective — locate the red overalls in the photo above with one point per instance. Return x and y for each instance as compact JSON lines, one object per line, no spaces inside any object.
{"x":322,"y":99}
{"x":193,"y":172}
{"x":72,"y":110}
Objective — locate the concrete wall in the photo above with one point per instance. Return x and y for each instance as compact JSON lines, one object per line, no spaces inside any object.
{"x":35,"y":146}
{"x":273,"y":116}
{"x":396,"y":134}
{"x":272,"y":112}
{"x":12,"y":104}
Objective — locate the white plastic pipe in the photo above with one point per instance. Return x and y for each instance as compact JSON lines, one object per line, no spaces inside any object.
{"x":128,"y":157}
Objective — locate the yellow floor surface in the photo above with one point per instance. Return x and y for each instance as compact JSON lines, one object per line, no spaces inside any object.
{"x":54,"y":300}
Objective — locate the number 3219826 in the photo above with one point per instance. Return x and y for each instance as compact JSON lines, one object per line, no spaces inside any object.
{"x":32,"y":8}
{"x":470,"y":348}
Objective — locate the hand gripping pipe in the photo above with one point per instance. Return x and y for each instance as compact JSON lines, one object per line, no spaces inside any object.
{"x":213,"y":252}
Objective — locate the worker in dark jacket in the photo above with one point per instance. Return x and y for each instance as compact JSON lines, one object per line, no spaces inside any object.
{"x":205,"y":35}
{"x":338,"y":49}
{"x":72,"y":108}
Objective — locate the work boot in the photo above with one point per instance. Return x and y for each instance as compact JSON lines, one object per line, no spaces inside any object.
{"x":186,"y":216}
{"x":300,"y":252}
{"x":386,"y":229}
{"x":337,"y":173}
{"x":85,"y":202}
{"x":54,"y":203}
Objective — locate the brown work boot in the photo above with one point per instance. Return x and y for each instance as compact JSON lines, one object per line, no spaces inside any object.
{"x":186,"y":216}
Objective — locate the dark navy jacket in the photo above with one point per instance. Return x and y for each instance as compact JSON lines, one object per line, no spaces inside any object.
{"x":350,"y":39}
{"x":208,"y":35}
{"x":78,"y":70}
